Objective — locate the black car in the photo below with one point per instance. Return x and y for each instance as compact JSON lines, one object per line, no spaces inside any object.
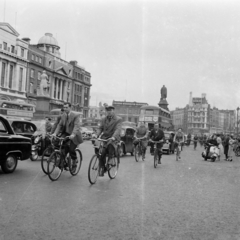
{"x":12,"y":147}
{"x":22,"y":127}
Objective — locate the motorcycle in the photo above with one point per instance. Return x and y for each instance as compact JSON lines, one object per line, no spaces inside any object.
{"x":213,"y":152}
{"x":36,"y":147}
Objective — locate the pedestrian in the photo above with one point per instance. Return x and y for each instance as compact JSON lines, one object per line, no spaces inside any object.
{"x":226,"y":146}
{"x":230,"y":149}
{"x":220,"y":146}
{"x":195,"y":139}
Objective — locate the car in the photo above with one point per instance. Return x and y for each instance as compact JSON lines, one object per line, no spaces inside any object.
{"x":167,"y":145}
{"x":126,"y":144}
{"x":12,"y":147}
{"x":86,"y":133}
{"x":23,"y":127}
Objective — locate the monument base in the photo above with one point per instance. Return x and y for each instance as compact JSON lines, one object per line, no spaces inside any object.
{"x":42,"y":107}
{"x":163,"y":104}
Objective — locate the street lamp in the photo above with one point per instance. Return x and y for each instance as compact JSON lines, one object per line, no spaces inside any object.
{"x":237,"y":119}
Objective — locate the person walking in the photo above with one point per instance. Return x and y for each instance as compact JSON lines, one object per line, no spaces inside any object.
{"x":195,"y":140}
{"x":230,"y":149}
{"x":220,"y":146}
{"x":226,"y":146}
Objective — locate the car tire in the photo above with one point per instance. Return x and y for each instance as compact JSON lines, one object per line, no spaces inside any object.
{"x":9,"y":164}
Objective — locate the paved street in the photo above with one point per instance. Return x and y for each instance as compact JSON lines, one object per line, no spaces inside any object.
{"x":188,"y":199}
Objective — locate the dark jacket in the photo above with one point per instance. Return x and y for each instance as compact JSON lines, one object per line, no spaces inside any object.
{"x":110,"y":128}
{"x":156,"y":136}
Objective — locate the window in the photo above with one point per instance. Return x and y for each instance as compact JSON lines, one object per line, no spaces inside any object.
{"x":40,"y":60}
{"x":50,"y":64}
{"x":22,"y":52}
{"x":5,"y":46}
{"x":39,"y":75}
{"x":33,"y":57}
{"x":3,"y":74}
{"x":76,"y":75}
{"x":2,"y":127}
{"x":31,"y":88}
{"x":12,"y":49}
{"x":32,"y":73}
{"x":36,"y":58}
{"x":79,"y":75}
{"x":10,"y":76}
{"x":20,"y":79}
{"x":47,"y":49}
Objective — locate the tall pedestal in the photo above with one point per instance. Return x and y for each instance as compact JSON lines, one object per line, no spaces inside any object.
{"x":163,"y":104}
{"x":42,"y":108}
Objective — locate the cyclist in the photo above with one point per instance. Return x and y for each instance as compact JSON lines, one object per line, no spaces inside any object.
{"x":156,"y":134}
{"x":57,"y":121}
{"x":69,"y":125}
{"x":110,"y":128}
{"x":142,"y":132}
{"x":179,"y":139}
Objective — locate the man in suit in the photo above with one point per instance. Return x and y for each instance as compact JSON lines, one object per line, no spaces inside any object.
{"x":156,"y":134}
{"x":69,"y":125}
{"x":57,"y":121}
{"x":110,"y":128}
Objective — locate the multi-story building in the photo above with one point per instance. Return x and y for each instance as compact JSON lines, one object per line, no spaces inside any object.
{"x":198,"y":117}
{"x":81,"y":90}
{"x":13,"y":64}
{"x":128,"y":111}
{"x":94,"y":112}
{"x":179,"y":118}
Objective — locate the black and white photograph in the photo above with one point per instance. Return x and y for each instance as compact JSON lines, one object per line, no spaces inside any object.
{"x":119,"y":120}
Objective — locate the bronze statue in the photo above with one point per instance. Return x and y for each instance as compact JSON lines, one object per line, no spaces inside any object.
{"x":163,"y":92}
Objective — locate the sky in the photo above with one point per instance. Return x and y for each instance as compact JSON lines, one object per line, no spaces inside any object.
{"x":132,"y":48}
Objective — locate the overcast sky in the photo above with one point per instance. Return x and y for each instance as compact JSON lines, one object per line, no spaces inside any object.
{"x":133,"y":48}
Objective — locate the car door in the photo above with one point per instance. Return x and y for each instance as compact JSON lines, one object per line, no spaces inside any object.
{"x":4,"y":140}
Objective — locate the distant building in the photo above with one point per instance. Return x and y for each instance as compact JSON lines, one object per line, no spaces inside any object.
{"x":94,"y":112}
{"x":198,"y":117}
{"x":128,"y":111}
{"x":13,"y":64}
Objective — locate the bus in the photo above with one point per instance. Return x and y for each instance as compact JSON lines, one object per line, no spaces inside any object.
{"x":54,"y":113}
{"x":153,"y":114}
{"x":16,"y":110}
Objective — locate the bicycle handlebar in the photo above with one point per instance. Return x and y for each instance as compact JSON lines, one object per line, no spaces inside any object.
{"x":156,"y":141}
{"x":140,"y":138}
{"x":103,"y":140}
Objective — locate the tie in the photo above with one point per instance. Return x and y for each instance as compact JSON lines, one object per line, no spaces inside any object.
{"x":67,"y":118}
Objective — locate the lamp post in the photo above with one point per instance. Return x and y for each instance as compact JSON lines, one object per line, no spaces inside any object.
{"x":237,"y":119}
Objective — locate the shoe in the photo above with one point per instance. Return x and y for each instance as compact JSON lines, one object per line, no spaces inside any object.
{"x":179,"y":157}
{"x":159,"y":161}
{"x":101,"y":172}
{"x":143,"y":157}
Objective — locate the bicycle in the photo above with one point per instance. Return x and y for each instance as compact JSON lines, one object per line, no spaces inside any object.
{"x":58,"y":161}
{"x":139,"y":150}
{"x":93,"y":168}
{"x":47,"y":153}
{"x":178,"y":150}
{"x":157,"y":153}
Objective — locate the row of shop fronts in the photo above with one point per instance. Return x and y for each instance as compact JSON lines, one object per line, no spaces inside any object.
{"x":36,"y":74}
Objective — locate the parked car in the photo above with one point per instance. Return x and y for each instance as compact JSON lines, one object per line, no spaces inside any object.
{"x":167,"y":145}
{"x":22,"y":127}
{"x":12,"y":147}
{"x":126,"y":143}
{"x":86,"y":133}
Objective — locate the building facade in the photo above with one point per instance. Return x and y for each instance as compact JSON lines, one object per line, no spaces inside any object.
{"x":179,"y":119}
{"x":13,"y":64}
{"x":128,"y":111}
{"x":81,"y":89}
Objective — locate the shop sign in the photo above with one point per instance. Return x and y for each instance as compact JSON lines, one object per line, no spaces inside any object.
{"x":148,"y":119}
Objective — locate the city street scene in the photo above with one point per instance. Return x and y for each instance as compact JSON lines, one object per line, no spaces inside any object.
{"x":119,"y":120}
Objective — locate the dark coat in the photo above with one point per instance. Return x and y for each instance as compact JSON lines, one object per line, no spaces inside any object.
{"x":72,"y":126}
{"x":110,"y":128}
{"x":156,"y":136}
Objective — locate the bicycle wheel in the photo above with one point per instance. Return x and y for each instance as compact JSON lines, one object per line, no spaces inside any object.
{"x":155,"y":160}
{"x":45,"y":156}
{"x":113,"y":167}
{"x":74,"y":170}
{"x":137,"y":153}
{"x":93,"y":169}
{"x":177,"y":153}
{"x":55,"y":166}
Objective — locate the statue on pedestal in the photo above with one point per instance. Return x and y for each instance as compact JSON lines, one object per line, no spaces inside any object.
{"x":163,"y":92}
{"x":44,"y":85}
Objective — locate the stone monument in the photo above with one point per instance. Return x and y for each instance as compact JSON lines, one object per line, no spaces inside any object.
{"x":44,"y":85}
{"x":163,"y":100}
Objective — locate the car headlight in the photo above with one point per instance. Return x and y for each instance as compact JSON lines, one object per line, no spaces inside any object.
{"x":36,"y":140}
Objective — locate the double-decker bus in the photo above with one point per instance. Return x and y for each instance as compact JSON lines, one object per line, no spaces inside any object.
{"x":17,"y":110}
{"x":54,"y":113}
{"x":153,"y":114}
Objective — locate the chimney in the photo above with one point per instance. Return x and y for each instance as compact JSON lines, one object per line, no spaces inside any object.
{"x":74,"y":62}
{"x":190,"y":99}
{"x":26,"y":39}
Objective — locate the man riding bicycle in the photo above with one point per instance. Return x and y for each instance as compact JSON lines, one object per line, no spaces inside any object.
{"x":142,"y":132}
{"x":179,"y":139}
{"x":69,"y":125}
{"x":110,"y":128}
{"x":156,"y":134}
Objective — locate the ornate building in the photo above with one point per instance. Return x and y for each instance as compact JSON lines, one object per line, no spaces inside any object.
{"x":13,"y":64}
